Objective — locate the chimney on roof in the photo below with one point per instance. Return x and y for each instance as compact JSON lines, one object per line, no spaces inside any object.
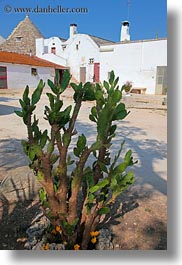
{"x":73,"y":30}
{"x":125,"y":35}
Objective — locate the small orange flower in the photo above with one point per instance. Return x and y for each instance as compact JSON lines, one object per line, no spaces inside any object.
{"x":94,"y":233}
{"x":58,"y":228}
{"x":47,"y":247}
{"x":76,"y":247}
{"x":94,"y":240}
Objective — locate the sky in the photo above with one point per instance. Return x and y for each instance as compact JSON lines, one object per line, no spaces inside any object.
{"x":148,"y":18}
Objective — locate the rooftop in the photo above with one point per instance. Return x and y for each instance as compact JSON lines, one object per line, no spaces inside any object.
{"x":133,"y":41}
{"x":16,"y":58}
{"x":100,"y":41}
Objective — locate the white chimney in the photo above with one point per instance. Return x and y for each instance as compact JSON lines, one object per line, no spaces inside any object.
{"x":73,"y":30}
{"x":125,"y":35}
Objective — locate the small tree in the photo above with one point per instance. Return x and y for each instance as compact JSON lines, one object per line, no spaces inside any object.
{"x":76,"y":202}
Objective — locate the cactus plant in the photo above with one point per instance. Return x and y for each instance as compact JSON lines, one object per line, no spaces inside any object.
{"x":76,"y":202}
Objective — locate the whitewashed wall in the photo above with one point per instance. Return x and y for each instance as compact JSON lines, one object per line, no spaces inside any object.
{"x":70,"y":56}
{"x":18,"y":76}
{"x":40,"y":50}
{"x":134,"y":61}
{"x":87,"y":49}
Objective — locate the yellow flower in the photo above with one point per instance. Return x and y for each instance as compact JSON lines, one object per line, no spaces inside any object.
{"x":47,"y":247}
{"x":94,"y":233}
{"x":58,"y":228}
{"x":76,"y":247}
{"x":94,"y":240}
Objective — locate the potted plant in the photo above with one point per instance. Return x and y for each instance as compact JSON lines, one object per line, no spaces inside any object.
{"x":127,"y":87}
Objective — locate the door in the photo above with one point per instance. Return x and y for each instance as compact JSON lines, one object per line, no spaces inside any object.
{"x":3,"y":77}
{"x":96,"y":72}
{"x":83,"y":74}
{"x":161,"y":80}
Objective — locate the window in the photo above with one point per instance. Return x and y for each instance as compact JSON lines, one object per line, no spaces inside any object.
{"x":45,"y":49}
{"x":91,"y":60}
{"x":53,"y":50}
{"x":34,"y":71}
{"x":63,"y":47}
{"x":19,"y":39}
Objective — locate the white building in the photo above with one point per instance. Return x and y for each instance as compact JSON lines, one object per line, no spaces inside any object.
{"x":80,"y":53}
{"x":20,"y":70}
{"x":90,"y":58}
{"x":144,"y":63}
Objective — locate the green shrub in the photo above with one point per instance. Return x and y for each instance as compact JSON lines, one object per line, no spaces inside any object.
{"x":75,"y":203}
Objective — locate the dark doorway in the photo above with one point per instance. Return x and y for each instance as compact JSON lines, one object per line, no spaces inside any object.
{"x":3,"y":77}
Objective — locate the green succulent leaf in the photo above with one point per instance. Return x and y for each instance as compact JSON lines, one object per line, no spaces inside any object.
{"x":25,"y":96}
{"x":25,"y":146}
{"x":51,"y":100}
{"x":66,"y":139}
{"x":67,"y":112}
{"x":81,"y":143}
{"x":99,"y":96}
{"x":94,"y":111}
{"x":99,"y":185}
{"x":40,"y":176}
{"x":106,"y":85}
{"x":113,"y":129}
{"x":53,"y":87}
{"x":116,"y":81}
{"x":103,"y":210}
{"x":120,"y":112}
{"x":54,"y":158}
{"x":42,"y":195}
{"x":92,"y":118}
{"x":65,"y":81}
{"x":111,"y":78}
{"x":116,"y":97}
{"x":69,"y":160}
{"x":89,"y":92}
{"x":19,"y":113}
{"x":76,"y":152}
{"x":37,"y":93}
{"x":50,"y":147}
{"x":43,"y":139}
{"x":58,"y":105}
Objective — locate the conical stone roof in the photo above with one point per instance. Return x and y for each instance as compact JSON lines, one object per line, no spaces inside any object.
{"x":22,"y":39}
